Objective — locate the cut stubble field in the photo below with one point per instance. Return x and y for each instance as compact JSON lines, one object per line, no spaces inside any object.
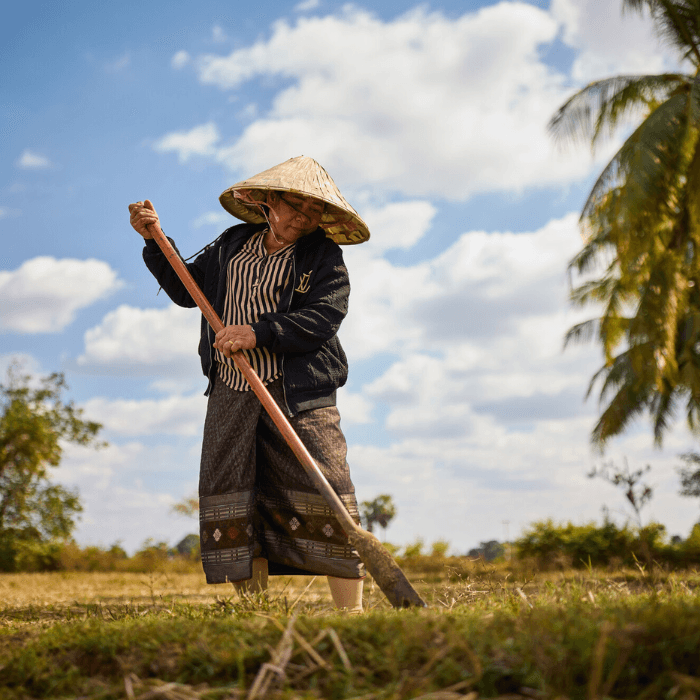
{"x":502,"y":630}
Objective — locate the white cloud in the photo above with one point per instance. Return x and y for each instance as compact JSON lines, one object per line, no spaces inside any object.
{"x":479,"y":290}
{"x":174,"y":415}
{"x":464,"y":110}
{"x":213,"y":218}
{"x":481,"y":414}
{"x":608,"y":42}
{"x":463,"y":488}
{"x":354,"y":407}
{"x":218,"y":35}
{"x":129,"y":337}
{"x":119,"y":493}
{"x":307,"y":5}
{"x":31,"y":160}
{"x":398,"y":225}
{"x":199,"y":141}
{"x":180,"y":60}
{"x":478,"y":399}
{"x":26,"y":363}
{"x":44,"y":294}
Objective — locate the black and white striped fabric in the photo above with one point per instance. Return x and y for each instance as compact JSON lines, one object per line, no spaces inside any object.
{"x":255,"y":280}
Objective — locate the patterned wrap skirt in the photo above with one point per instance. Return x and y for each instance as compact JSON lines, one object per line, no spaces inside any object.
{"x":256,"y":500}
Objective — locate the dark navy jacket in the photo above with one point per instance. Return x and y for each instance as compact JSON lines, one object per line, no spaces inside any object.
{"x":312,"y":306}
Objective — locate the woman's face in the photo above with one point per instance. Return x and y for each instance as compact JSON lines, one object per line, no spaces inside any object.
{"x":293,"y":215}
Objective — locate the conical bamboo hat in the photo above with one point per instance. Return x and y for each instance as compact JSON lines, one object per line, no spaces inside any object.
{"x":301,"y":175}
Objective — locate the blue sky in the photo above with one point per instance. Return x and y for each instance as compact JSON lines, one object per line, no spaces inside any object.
{"x":431,"y":119}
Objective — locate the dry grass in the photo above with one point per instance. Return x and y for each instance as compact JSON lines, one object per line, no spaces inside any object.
{"x":490,"y":631}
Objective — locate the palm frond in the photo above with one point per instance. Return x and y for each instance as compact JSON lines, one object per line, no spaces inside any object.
{"x":634,"y":5}
{"x":614,"y":374}
{"x":663,"y":409}
{"x":636,"y":181}
{"x":692,"y":189}
{"x":662,"y":298}
{"x":598,"y":251}
{"x":675,"y":23}
{"x":629,"y":402}
{"x":599,"y":108}
{"x":613,"y":329}
{"x":581,"y":332}
{"x":593,"y":291}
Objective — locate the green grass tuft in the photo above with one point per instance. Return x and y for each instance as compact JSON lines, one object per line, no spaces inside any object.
{"x":490,"y":631}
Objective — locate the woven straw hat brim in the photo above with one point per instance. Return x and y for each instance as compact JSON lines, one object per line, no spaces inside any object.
{"x":301,"y":175}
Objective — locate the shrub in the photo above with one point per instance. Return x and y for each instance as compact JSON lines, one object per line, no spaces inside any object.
{"x":576,"y":545}
{"x":439,"y":548}
{"x":413,"y":550}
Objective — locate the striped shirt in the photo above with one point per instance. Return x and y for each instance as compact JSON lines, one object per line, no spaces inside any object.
{"x":255,"y":279}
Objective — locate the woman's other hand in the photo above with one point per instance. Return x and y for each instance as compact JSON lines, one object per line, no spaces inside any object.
{"x":142,"y":215}
{"x":233,"y":338}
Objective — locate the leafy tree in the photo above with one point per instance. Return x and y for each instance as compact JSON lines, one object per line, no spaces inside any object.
{"x":188,"y":507}
{"x":641,"y":228}
{"x":490,"y":550}
{"x":380,"y":511}
{"x":34,"y":422}
{"x":690,"y":475}
{"x":188,"y":546}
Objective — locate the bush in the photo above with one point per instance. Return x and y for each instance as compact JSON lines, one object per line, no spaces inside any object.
{"x":37,"y":556}
{"x":30,"y":555}
{"x":439,"y":548}
{"x":21,"y":551}
{"x":91,"y":558}
{"x":580,"y":545}
{"x":413,"y":550}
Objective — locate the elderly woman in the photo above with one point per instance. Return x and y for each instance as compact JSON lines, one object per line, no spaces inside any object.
{"x":280,"y":286}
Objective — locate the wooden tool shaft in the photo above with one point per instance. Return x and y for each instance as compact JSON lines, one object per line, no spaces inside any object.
{"x":269,"y":404}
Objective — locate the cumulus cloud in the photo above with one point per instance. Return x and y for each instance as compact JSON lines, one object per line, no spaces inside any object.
{"x":478,"y":400}
{"x":307,"y":5}
{"x":180,"y":60}
{"x":464,"y":112}
{"x":173,"y":415}
{"x":26,"y":363}
{"x":464,"y":488}
{"x":218,"y":35}
{"x":608,"y":42}
{"x":479,"y":324}
{"x":199,"y":141}
{"x":152,"y":338}
{"x":44,"y":294}
{"x":354,"y":407}
{"x":483,"y":287}
{"x":31,"y":160}
{"x":128,"y":490}
{"x":398,"y":225}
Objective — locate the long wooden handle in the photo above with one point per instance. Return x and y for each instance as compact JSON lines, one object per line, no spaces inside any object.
{"x":269,"y":404}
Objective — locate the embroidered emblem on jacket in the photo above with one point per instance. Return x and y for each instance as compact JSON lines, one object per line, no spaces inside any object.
{"x":304,"y":285}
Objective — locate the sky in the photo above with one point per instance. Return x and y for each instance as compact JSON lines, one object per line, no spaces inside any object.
{"x":431,"y":118}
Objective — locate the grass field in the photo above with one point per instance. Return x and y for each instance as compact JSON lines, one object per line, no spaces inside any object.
{"x":489,"y":631}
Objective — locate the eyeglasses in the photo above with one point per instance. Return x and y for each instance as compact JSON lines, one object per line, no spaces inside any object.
{"x":317,"y":209}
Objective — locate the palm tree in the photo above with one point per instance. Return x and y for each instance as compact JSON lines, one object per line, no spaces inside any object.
{"x":380,"y":511}
{"x":641,"y":230}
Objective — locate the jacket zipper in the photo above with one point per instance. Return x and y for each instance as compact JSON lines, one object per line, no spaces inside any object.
{"x":289,"y":306}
